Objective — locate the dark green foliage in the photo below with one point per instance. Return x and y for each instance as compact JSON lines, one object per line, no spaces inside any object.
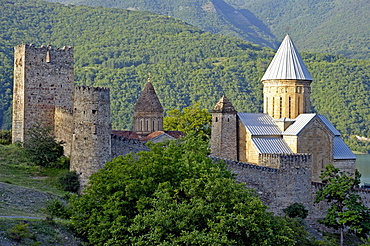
{"x":19,"y":232}
{"x":296,"y":210}
{"x":176,"y":195}
{"x":62,"y":163}
{"x":346,"y":209}
{"x":68,"y":181}
{"x":58,"y":209}
{"x":330,"y":26}
{"x":5,"y":137}
{"x":117,"y":48}
{"x":42,"y":147}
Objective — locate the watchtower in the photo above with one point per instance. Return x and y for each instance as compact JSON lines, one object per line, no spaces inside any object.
{"x":91,"y":141}
{"x":224,"y":130}
{"x":43,"y":80}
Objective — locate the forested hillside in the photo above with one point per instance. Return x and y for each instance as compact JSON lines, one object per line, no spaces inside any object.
{"x":329,"y":26}
{"x":214,"y":16}
{"x":118,"y":48}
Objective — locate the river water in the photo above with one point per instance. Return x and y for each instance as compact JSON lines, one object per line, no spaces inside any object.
{"x":363,"y":165}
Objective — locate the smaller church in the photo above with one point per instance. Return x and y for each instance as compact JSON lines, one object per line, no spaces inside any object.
{"x":287,"y":125}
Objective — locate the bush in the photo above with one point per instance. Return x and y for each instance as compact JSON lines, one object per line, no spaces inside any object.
{"x":62,"y":163}
{"x":42,"y":146}
{"x":5,"y":137}
{"x":68,"y":181}
{"x":296,"y":210}
{"x":56,"y":208}
{"x":19,"y":232}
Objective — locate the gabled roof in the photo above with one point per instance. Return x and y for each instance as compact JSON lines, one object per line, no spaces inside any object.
{"x":224,"y":106}
{"x":271,"y":145}
{"x":329,"y":125}
{"x":259,"y":124}
{"x":341,"y":150}
{"x":159,"y":136}
{"x":300,"y":123}
{"x":148,"y":100}
{"x":287,"y":63}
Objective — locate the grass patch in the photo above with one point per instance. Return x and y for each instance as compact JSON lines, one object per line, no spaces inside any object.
{"x":17,"y":169}
{"x":38,"y":232}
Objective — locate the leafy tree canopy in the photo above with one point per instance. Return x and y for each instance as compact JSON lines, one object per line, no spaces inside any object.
{"x":346,"y":209}
{"x":43,"y":148}
{"x":176,"y":195}
{"x":191,"y":119}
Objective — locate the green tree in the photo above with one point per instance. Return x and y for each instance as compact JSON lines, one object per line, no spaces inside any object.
{"x":296,"y":210}
{"x":345,"y":209}
{"x":42,"y":146}
{"x":190,"y":119}
{"x":175,"y":195}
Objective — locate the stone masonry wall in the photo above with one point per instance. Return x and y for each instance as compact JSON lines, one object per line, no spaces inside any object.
{"x":91,"y":143}
{"x":43,"y":79}
{"x":124,"y":146}
{"x":286,"y":98}
{"x":224,"y":135}
{"x":278,"y":188}
{"x":63,"y":128}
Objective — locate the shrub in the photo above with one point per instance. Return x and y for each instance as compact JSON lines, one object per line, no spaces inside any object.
{"x":19,"y":232}
{"x":56,"y":208}
{"x":296,"y":210}
{"x":62,"y":163}
{"x":68,"y":181}
{"x":5,"y":137}
{"x":42,"y":146}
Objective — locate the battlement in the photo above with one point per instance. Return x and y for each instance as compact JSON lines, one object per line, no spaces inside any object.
{"x":43,"y":47}
{"x":91,"y":89}
{"x":244,"y":165}
{"x":284,"y":161}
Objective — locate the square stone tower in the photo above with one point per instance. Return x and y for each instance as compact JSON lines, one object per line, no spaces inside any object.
{"x":43,"y":80}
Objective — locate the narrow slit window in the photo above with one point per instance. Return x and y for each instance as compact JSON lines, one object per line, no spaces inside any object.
{"x":47,"y":59}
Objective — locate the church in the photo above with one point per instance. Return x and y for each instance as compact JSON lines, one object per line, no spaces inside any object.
{"x":287,"y":125}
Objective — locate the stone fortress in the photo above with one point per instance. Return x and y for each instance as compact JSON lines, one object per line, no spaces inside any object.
{"x":280,"y":153}
{"x":44,"y":94}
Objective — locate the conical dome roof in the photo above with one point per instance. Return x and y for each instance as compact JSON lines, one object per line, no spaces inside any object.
{"x":287,"y":63}
{"x":224,"y":106}
{"x":148,"y":100}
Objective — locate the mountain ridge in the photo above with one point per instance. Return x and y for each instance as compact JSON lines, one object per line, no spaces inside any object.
{"x":118,"y":48}
{"x":330,"y":26}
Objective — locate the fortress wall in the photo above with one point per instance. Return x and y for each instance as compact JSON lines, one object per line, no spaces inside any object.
{"x":124,"y":146}
{"x":346,"y":165}
{"x":63,"y":128}
{"x":43,"y":79}
{"x":91,"y":143}
{"x":278,"y":188}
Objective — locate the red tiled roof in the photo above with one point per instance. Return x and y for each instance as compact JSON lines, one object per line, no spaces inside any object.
{"x":175,"y":134}
{"x":134,"y":135}
{"x":126,"y":134}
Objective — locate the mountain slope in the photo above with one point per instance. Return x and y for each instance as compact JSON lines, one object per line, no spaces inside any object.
{"x":213,"y":16}
{"x":329,"y":26}
{"x":118,"y":48}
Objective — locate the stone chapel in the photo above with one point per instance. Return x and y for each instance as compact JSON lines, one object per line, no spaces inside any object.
{"x":287,"y":125}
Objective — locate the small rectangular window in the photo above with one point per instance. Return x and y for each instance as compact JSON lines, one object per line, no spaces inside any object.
{"x":47,"y":59}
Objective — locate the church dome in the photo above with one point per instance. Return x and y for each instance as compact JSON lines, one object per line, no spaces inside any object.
{"x":148,"y":100}
{"x":287,"y":64}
